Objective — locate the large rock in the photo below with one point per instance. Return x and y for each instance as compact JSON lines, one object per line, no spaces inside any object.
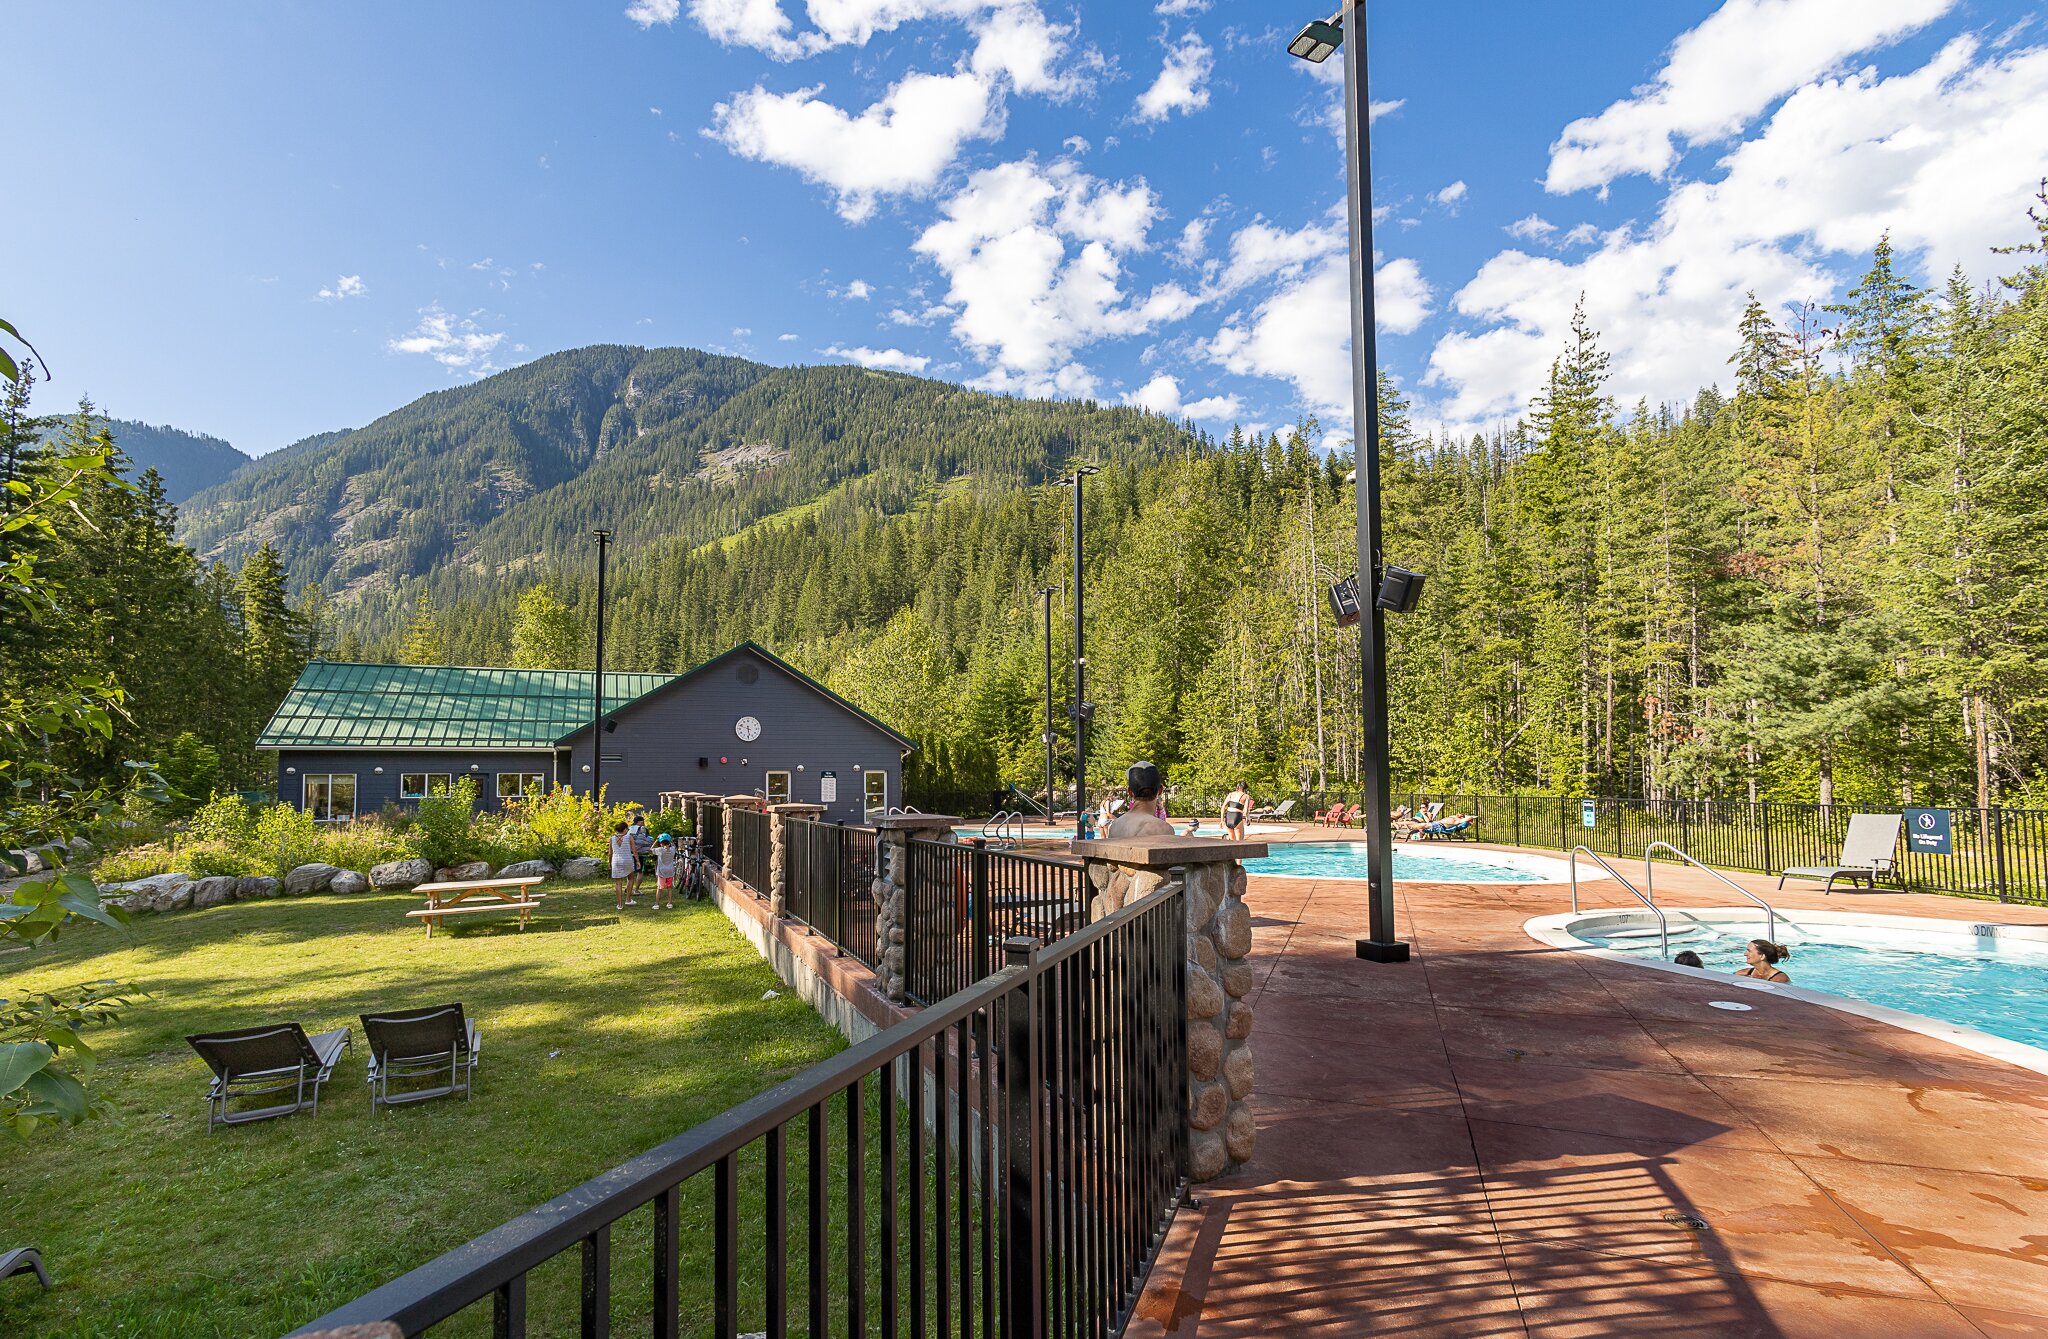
{"x":215,"y":890}
{"x":527,"y":869}
{"x":1240,"y":1134}
{"x":1237,"y":1071}
{"x":1238,"y":979}
{"x":1208,"y":1104}
{"x":402,"y":873}
{"x":348,"y":881}
{"x":583,"y":867}
{"x":1205,"y":997}
{"x":255,"y":887}
{"x":467,"y":872}
{"x":1234,"y":929}
{"x":1205,"y":1050}
{"x":309,"y":879}
{"x":32,"y":862}
{"x":1207,"y":1156}
{"x":173,"y":897}
{"x":1238,"y":1025}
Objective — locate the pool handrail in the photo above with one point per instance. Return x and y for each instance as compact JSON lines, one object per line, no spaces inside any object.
{"x":1650,"y":882}
{"x":1663,"y":926}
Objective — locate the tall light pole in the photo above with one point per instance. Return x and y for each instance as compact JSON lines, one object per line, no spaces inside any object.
{"x":1045,"y":594}
{"x":1080,"y":710}
{"x":604,"y":541}
{"x":1315,"y":43}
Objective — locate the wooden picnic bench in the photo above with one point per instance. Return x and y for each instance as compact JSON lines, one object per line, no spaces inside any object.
{"x":451,"y":899}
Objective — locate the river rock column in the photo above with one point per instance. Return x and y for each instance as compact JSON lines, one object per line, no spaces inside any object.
{"x":778,"y":848}
{"x":893,"y":835}
{"x":734,"y":803}
{"x":1217,"y":975}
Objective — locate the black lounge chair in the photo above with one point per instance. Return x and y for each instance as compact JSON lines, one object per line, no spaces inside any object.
{"x":24,"y":1260}
{"x":410,"y":1044}
{"x":267,"y":1062}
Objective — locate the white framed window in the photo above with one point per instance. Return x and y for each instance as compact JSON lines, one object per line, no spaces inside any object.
{"x":778,"y":788}
{"x":419,"y":785}
{"x":331,"y":796}
{"x":875,"y":787}
{"x":519,"y":785}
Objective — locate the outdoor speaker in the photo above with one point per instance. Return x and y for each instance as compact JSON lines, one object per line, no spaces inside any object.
{"x":611,"y":727}
{"x":1400,"y":590}
{"x":703,"y":762}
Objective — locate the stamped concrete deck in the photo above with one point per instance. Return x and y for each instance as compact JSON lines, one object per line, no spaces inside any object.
{"x":1504,"y":1139}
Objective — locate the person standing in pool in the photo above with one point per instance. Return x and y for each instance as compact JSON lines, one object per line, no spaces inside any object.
{"x":1236,"y":805}
{"x":1764,"y":957}
{"x":1147,"y":815}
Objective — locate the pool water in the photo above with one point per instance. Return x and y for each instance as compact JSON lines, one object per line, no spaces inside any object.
{"x":1418,"y":864}
{"x":2001,"y":989}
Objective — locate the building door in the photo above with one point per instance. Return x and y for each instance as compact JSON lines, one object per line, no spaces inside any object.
{"x":778,"y":788}
{"x":876,"y":791}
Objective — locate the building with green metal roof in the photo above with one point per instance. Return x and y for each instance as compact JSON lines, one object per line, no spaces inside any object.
{"x":351,"y":739}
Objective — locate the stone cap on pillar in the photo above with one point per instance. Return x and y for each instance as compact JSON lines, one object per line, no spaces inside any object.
{"x":1166,"y":852}
{"x":796,"y":809}
{"x":745,"y":802}
{"x":916,"y":822}
{"x":701,"y":795}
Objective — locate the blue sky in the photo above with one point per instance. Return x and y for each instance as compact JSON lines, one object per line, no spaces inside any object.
{"x":264,"y":227}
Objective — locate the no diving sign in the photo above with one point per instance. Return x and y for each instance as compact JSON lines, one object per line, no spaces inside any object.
{"x":1930,"y":832}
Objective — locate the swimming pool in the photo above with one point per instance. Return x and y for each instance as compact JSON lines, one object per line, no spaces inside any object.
{"x":1041,"y":832}
{"x":1990,"y":978}
{"x":1412,"y":864}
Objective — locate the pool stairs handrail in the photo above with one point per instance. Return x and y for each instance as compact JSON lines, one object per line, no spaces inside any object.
{"x":1044,"y":812}
{"x":1663,"y":926}
{"x":1005,"y":828}
{"x":1650,"y":882}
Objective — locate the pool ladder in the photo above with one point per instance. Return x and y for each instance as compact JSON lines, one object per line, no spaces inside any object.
{"x":1649,"y":898}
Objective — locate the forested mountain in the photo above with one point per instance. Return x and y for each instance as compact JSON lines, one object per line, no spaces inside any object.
{"x":187,"y":462}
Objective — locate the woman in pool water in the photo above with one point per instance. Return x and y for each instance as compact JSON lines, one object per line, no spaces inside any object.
{"x":1764,"y":957}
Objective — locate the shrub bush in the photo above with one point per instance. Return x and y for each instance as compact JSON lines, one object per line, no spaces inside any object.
{"x":285,"y":838}
{"x":203,"y":859}
{"x":672,"y":821}
{"x":441,"y":828}
{"x":224,"y":819}
{"x":560,"y":825}
{"x":364,"y":843}
{"x":135,"y":862}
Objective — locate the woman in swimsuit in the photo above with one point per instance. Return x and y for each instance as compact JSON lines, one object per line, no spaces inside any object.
{"x":1234,"y":806}
{"x":1764,"y":957}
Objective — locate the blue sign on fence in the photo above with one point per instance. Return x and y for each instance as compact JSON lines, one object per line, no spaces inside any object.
{"x":1588,"y":813}
{"x":1930,"y":832}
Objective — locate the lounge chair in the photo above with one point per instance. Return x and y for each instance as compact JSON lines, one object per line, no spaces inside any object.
{"x":1277,"y":812}
{"x":410,"y":1044}
{"x":1867,"y":851}
{"x":1414,"y":823}
{"x":24,"y":1260}
{"x":1445,"y":828}
{"x":267,"y":1062}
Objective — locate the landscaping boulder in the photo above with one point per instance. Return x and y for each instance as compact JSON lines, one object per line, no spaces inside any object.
{"x":348,"y":881}
{"x":216,"y":890}
{"x":32,"y":862}
{"x":81,"y":849}
{"x":309,"y":879}
{"x":402,"y":873}
{"x":583,"y":867}
{"x":465,"y":873}
{"x":255,"y":887}
{"x":526,"y":869}
{"x":173,"y":896}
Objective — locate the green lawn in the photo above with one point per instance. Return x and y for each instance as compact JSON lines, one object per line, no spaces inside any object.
{"x":601,"y":1037}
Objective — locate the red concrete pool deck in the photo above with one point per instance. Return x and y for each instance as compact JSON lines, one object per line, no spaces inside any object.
{"x":1500,"y":1138}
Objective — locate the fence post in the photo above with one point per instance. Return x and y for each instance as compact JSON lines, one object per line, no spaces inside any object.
{"x":977,"y":901}
{"x":839,"y":888}
{"x":1023,"y":1178}
{"x":780,"y":816}
{"x":1563,"y":837}
{"x":893,"y":835}
{"x":1516,"y":801}
{"x":1998,"y":845}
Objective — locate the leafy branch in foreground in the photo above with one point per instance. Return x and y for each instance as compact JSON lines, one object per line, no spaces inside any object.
{"x":43,"y":1060}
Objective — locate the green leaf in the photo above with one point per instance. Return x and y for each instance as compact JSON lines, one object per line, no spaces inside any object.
{"x":20,"y":1061}
{"x":89,"y":908}
{"x":58,"y":1094}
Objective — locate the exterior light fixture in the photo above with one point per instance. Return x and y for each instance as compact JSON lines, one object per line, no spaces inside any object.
{"x":586,"y":767}
{"x":378,"y":770}
{"x":799,"y":767}
{"x":723,"y":760}
{"x":291,"y":771}
{"x":1317,"y":42}
{"x":472,"y":767}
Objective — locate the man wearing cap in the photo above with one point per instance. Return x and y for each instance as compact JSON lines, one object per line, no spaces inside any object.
{"x":1147,"y":815}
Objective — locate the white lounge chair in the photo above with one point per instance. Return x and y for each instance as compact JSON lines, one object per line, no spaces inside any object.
{"x":1867,"y":851}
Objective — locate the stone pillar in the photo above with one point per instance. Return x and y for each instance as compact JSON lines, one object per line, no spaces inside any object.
{"x":733,"y":804}
{"x":893,"y":834}
{"x":1217,"y":972}
{"x":693,"y":805}
{"x":778,"y":848}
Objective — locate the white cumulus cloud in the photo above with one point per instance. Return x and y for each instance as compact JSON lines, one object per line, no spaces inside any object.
{"x":1183,"y":82}
{"x":883,"y":360}
{"x":455,"y":342}
{"x":347,"y":286}
{"x":898,"y":146}
{"x":1451,"y":196}
{"x":859,"y":289}
{"x":1532,"y":228}
{"x":647,"y":13}
{"x":1162,"y":395}
{"x":1721,"y":75}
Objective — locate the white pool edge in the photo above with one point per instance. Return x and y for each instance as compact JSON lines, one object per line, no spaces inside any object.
{"x":1550,"y":869}
{"x":1556,"y":931}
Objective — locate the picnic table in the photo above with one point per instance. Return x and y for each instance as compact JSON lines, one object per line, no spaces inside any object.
{"x":452,"y":898}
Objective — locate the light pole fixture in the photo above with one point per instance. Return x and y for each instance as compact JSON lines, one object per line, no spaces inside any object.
{"x":1082,"y":708}
{"x":1045,"y":594}
{"x":1315,"y":43}
{"x":597,"y":733}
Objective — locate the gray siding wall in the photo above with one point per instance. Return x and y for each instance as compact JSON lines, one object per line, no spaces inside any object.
{"x":373,"y":792}
{"x":658,"y":742}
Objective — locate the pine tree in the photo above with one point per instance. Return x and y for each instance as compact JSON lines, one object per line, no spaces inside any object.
{"x":424,"y":642}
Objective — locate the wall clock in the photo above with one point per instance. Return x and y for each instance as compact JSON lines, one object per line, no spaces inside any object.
{"x":747,"y":728}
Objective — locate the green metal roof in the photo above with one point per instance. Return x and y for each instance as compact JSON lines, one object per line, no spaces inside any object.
{"x":436,"y":706}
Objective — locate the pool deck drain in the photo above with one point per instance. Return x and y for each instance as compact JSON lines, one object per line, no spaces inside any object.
{"x":1500,"y":1138}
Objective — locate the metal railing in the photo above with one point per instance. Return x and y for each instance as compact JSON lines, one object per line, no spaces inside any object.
{"x":711,"y":833}
{"x":1650,"y":882}
{"x":1017,"y":1151}
{"x":747,"y":849}
{"x":963,"y":900}
{"x":1663,"y":926}
{"x":828,"y":883}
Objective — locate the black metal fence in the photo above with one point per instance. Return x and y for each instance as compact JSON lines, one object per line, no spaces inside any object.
{"x":746,"y":849}
{"x":2001,"y":853}
{"x":962,"y":901}
{"x":711,"y":833}
{"x":828,"y":882}
{"x":1005,"y":1163}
